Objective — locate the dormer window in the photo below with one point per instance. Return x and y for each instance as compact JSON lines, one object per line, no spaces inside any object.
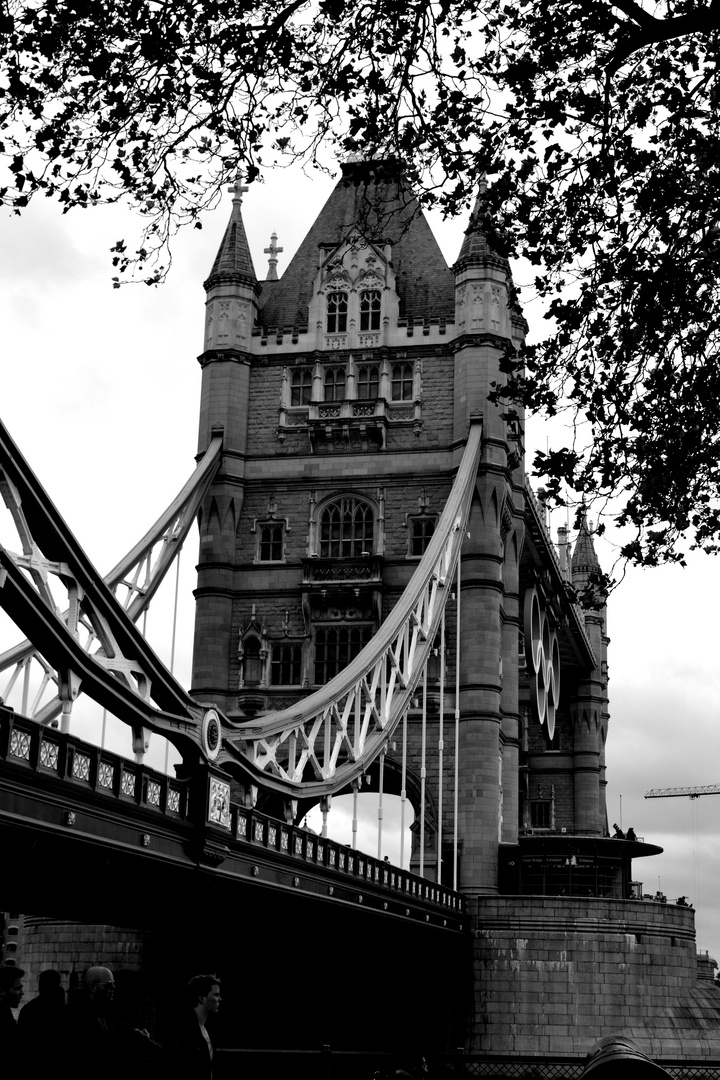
{"x":335,"y":384}
{"x":368,"y":381}
{"x":370,"y":307}
{"x":402,"y":382}
{"x":337,"y":312}
{"x":301,"y":387}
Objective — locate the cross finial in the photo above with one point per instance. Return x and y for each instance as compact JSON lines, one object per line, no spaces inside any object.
{"x":238,"y":189}
{"x":273,"y":251}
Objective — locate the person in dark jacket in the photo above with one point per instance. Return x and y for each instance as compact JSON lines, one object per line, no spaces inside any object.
{"x":99,"y":1034}
{"x":42,"y":1024}
{"x":191,"y":1048}
{"x":11,"y":992}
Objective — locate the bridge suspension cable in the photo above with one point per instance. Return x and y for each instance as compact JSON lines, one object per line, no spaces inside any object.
{"x":93,"y":642}
{"x":317,"y":747}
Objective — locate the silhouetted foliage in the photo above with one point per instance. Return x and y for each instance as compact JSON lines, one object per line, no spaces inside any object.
{"x":596,"y":122}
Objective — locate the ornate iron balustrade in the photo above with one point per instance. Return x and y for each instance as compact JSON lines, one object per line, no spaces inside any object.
{"x":91,"y":772}
{"x":63,"y":757}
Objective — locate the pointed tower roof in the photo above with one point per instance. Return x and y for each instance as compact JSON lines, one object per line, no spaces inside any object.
{"x":584,"y":558}
{"x":371,"y":199}
{"x":233,"y":262}
{"x":475,"y":250}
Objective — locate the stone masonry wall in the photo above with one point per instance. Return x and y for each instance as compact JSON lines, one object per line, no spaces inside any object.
{"x":72,"y":947}
{"x":554,"y":975}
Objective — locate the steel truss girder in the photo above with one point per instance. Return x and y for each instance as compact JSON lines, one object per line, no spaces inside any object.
{"x":123,"y":675}
{"x":337,"y":732}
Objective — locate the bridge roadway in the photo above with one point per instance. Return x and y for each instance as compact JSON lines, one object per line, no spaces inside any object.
{"x":90,"y":836}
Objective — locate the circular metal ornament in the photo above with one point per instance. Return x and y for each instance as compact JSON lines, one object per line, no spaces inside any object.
{"x":542,"y":652}
{"x":211,"y":734}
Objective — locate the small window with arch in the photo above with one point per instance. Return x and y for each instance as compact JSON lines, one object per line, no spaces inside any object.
{"x":370,"y":309}
{"x":252,"y":663}
{"x":271,"y":542}
{"x":286,"y":664}
{"x":301,"y":387}
{"x":368,"y":382}
{"x":337,"y":312}
{"x":402,"y":382}
{"x":335,"y":384}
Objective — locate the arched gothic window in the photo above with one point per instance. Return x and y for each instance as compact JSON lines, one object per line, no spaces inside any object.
{"x":337,"y":312}
{"x":286,"y":664}
{"x":335,"y":384}
{"x":370,"y":308}
{"x":346,"y":529}
{"x":271,"y":543}
{"x":301,"y":387}
{"x":402,"y":382}
{"x":368,"y":380}
{"x":252,"y":662}
{"x":421,"y":533}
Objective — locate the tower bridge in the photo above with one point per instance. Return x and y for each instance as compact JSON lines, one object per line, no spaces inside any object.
{"x":379,"y":606}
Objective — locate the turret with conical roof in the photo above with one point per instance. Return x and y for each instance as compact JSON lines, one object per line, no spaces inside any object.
{"x":585,"y":563}
{"x":232,"y":287}
{"x":231,"y":311}
{"x":590,"y":709}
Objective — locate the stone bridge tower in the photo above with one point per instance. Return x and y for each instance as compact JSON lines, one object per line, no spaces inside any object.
{"x":344,"y":389}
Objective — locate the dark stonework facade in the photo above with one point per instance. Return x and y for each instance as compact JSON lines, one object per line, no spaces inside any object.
{"x":344,"y":391}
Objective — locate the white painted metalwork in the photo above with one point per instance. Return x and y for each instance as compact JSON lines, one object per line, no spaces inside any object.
{"x":457,"y":725}
{"x":326,"y":741}
{"x":134,"y":581}
{"x":441,"y":747}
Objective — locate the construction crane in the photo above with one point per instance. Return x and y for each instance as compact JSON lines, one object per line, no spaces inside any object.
{"x":691,"y":792}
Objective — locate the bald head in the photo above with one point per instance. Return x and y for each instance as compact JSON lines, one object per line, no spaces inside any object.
{"x":99,"y":986}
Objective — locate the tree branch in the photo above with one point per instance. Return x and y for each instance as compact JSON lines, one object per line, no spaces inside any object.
{"x":652,"y":31}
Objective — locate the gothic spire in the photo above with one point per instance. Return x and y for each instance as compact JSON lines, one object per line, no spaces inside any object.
{"x":233,"y":262}
{"x":475,"y":250}
{"x":584,"y":557}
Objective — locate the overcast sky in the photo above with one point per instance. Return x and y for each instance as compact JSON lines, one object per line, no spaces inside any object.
{"x":100,"y":389}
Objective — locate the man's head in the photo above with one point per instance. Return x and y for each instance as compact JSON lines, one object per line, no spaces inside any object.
{"x":99,"y":987}
{"x":49,"y":981}
{"x":11,"y":987}
{"x":204,"y":994}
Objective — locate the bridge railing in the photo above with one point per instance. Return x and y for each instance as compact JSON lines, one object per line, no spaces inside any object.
{"x":52,"y":753}
{"x":294,"y":841}
{"x":90,"y":772}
